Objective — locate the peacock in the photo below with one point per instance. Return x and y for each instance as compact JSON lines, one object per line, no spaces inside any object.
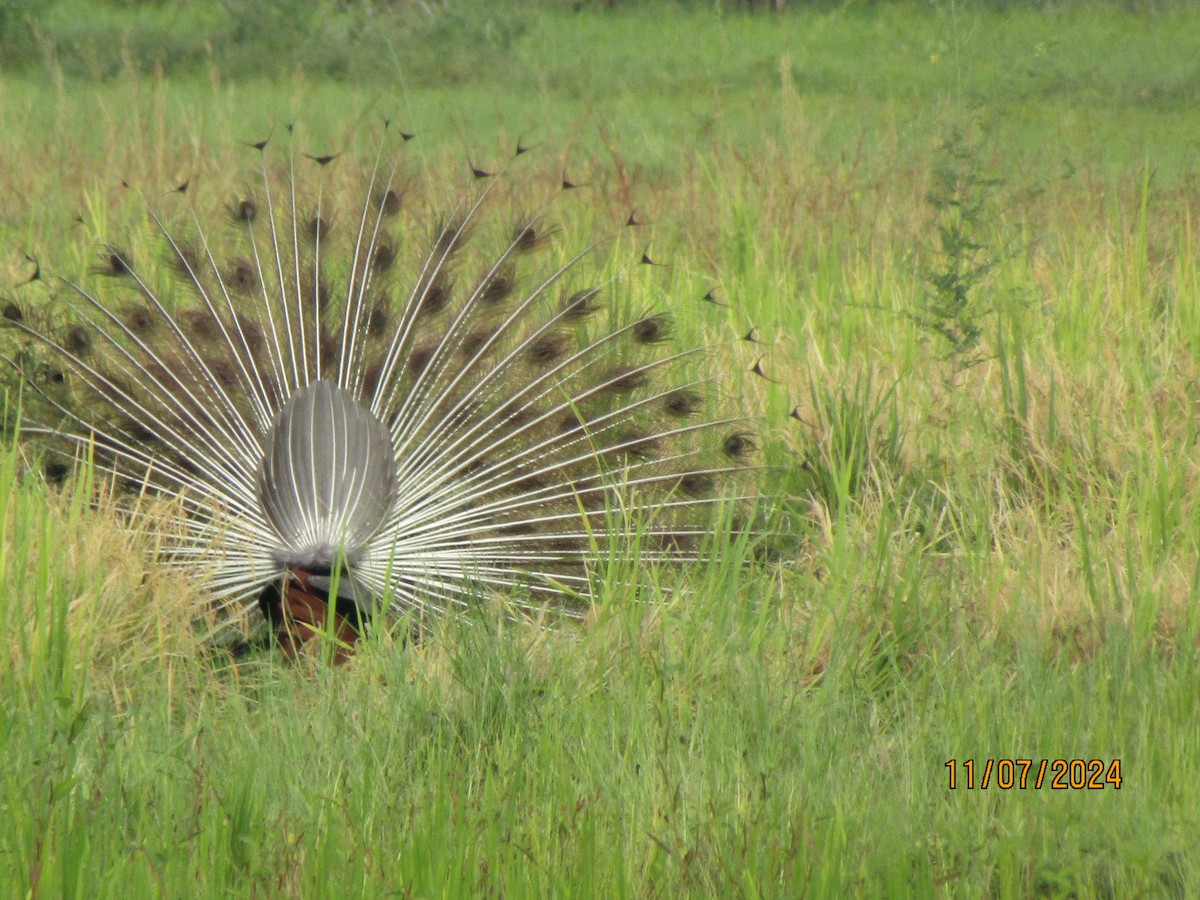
{"x":367,"y":407}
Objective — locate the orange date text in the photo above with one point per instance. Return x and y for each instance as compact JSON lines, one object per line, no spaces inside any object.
{"x":1031,"y":774}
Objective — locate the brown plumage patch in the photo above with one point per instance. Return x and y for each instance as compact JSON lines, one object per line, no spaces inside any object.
{"x":652,"y":329}
{"x":318,"y":228}
{"x":186,"y":259}
{"x":570,"y":424}
{"x":531,"y":237}
{"x":580,"y":305}
{"x":331,"y":350}
{"x":139,"y":433}
{"x":199,"y":323}
{"x":738,"y":444}
{"x":165,"y":379}
{"x":473,"y":342}
{"x":624,"y":380}
{"x":390,"y":201}
{"x":224,"y":372}
{"x":697,"y":484}
{"x":472,"y":466}
{"x":546,"y":348}
{"x":516,"y":414}
{"x":251,"y":331}
{"x":55,"y":471}
{"x":496,"y":287}
{"x":243,"y":210}
{"x":141,"y":321}
{"x":114,"y":390}
{"x":384,"y":256}
{"x":242,"y":277}
{"x":319,"y":292}
{"x":530,"y":483}
{"x":271,"y":389}
{"x":299,"y":615}
{"x":77,"y":340}
{"x":437,"y":295}
{"x":114,"y":264}
{"x":517,"y":529}
{"x":637,"y":446}
{"x":682,"y":402}
{"x":371,"y":375}
{"x":448,"y":240}
{"x":419,"y":358}
{"x":379,"y":318}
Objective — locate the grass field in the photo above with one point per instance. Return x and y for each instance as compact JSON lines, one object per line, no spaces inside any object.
{"x":969,"y":239}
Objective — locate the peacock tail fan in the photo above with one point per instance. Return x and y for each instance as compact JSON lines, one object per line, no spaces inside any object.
{"x":338,"y":378}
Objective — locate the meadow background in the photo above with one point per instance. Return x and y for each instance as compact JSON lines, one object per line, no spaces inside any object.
{"x":967,"y":235}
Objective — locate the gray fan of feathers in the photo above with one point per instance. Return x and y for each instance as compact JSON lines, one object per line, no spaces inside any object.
{"x":358,"y":406}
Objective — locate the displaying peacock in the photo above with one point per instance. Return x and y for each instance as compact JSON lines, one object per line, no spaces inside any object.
{"x":363,"y":407}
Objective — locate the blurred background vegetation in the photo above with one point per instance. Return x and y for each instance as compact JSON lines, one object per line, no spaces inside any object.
{"x":377,"y":39}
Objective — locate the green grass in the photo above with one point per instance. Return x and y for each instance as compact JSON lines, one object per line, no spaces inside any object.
{"x":993,"y":551}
